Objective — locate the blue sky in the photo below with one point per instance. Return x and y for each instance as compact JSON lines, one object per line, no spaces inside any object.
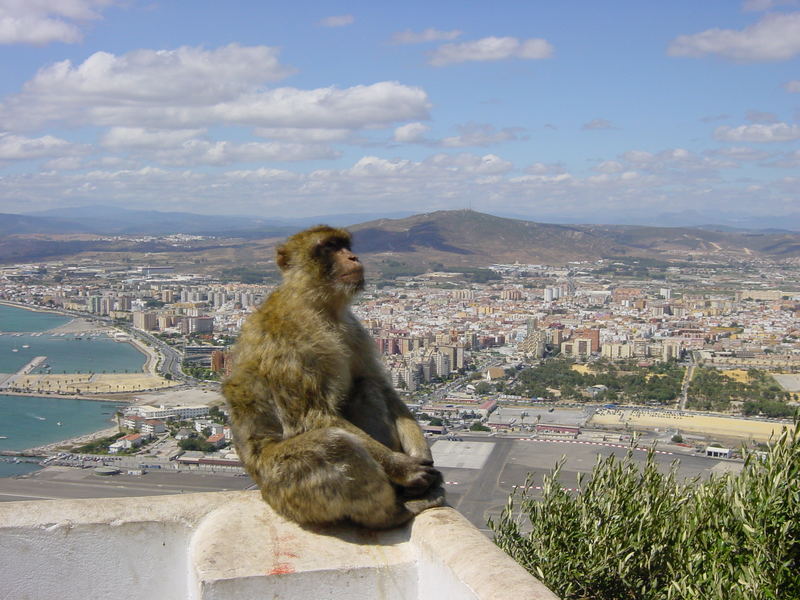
{"x":582,"y":111}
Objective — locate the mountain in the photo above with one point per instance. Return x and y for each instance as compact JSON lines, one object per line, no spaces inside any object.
{"x":105,"y":220}
{"x":475,"y":239}
{"x":452,"y":238}
{"x":23,"y":224}
{"x":465,"y":237}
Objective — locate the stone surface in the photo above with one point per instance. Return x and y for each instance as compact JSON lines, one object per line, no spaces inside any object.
{"x":231,"y":546}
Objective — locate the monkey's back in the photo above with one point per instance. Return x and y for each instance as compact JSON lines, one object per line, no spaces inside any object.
{"x":287,"y":362}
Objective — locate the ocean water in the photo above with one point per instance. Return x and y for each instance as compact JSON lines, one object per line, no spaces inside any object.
{"x":69,"y":353}
{"x":18,"y":319}
{"x":27,"y":421}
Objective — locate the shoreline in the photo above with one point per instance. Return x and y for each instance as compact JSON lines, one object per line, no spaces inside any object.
{"x":41,"y":309}
{"x":81,"y":324}
{"x":78,"y":440}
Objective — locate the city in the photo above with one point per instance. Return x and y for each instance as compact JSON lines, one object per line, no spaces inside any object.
{"x":691,"y":352}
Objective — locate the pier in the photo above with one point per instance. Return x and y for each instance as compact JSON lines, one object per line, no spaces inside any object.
{"x":26,"y":370}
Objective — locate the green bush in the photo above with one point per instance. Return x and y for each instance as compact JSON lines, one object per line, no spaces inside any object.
{"x":633,"y":532}
{"x":476,"y":426}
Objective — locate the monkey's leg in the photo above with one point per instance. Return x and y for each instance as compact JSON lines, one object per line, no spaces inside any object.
{"x":327,"y":475}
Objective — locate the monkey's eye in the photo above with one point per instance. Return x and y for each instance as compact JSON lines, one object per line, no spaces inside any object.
{"x":335,"y":244}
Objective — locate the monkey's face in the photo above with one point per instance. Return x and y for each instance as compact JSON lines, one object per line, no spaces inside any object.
{"x":347,"y":269}
{"x":323,"y":254}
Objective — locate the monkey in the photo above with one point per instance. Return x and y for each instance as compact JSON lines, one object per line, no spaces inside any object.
{"x":315,"y":419}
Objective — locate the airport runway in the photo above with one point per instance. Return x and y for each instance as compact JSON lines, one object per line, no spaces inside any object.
{"x":480,"y":491}
{"x":479,"y":471}
{"x":67,"y":482}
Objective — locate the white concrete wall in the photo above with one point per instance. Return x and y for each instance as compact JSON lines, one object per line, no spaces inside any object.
{"x":231,"y":546}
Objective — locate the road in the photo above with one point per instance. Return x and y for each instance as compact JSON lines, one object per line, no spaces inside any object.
{"x":687,"y":379}
{"x":483,"y":492}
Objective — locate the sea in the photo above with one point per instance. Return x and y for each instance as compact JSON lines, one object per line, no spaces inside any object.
{"x":28,"y":421}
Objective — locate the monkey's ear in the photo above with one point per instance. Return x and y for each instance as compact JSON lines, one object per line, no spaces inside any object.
{"x":282,"y":258}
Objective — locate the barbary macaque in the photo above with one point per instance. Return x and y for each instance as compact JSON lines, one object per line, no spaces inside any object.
{"x":315,"y":418}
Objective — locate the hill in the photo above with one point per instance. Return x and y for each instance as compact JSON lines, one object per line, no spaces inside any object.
{"x":456,"y":238}
{"x":477,"y":239}
{"x":470,"y":238}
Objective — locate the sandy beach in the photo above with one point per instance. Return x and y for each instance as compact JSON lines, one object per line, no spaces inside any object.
{"x":105,"y":387}
{"x":79,"y":385}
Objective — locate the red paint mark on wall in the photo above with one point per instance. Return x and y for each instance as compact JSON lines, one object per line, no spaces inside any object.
{"x":281,"y":569}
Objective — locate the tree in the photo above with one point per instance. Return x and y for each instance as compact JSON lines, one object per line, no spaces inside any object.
{"x":477,"y":426}
{"x":484,"y":387}
{"x":636,"y":532}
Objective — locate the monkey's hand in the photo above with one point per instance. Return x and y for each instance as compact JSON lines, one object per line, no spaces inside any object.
{"x":415,"y":475}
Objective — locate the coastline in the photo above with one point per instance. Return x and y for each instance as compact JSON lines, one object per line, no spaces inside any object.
{"x":53,"y":447}
{"x":148,"y":379}
{"x":41,"y":309}
{"x":80,"y":324}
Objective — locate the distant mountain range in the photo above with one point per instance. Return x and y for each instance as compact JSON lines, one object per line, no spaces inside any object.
{"x":452,"y":238}
{"x":472,"y":238}
{"x":105,"y":220}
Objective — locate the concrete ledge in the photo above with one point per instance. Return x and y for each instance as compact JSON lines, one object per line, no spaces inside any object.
{"x":231,"y":546}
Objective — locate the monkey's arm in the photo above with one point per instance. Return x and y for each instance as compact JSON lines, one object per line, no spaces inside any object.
{"x":378,"y":389}
{"x":374,"y":384}
{"x":411,"y":437}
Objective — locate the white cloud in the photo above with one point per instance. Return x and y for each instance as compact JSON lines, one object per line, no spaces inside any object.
{"x":194,"y":87}
{"x":539,"y":168}
{"x":337,"y":21}
{"x":488,"y":164}
{"x":411,"y":133}
{"x":774,"y":37}
{"x":793,"y":87}
{"x":610,"y":166}
{"x":299,"y":134}
{"x":490,"y":49}
{"x":15,"y":147}
{"x":676,"y":178}
{"x":136,"y":137}
{"x":598,"y":124}
{"x":264,"y":174}
{"x":740,"y":153}
{"x":40,"y":22}
{"x":356,"y":107}
{"x":476,"y":134}
{"x":790,"y":160}
{"x":756,"y":116}
{"x":204,"y":152}
{"x":64,"y":163}
{"x":428,"y":35}
{"x":543,"y":179}
{"x":183,"y":148}
{"x":762,"y":5}
{"x":674,"y":161}
{"x":776,"y":132}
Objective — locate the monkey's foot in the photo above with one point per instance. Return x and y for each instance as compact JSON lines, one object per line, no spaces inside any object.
{"x":433,"y":498}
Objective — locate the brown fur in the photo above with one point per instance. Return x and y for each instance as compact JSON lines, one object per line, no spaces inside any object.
{"x":316,"y":421}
